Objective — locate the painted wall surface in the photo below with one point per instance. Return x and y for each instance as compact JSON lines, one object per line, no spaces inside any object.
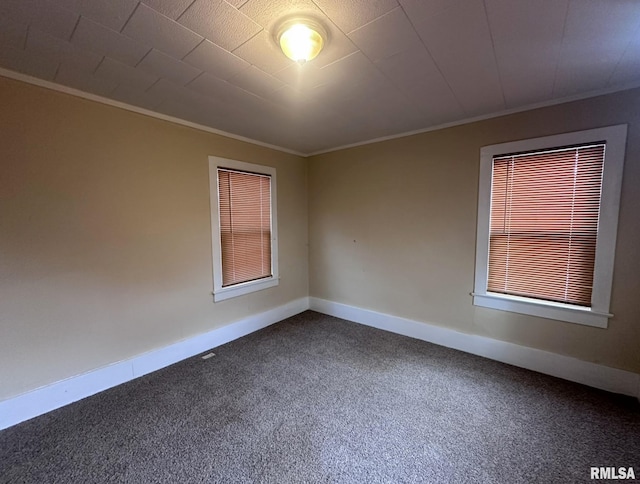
{"x":393,"y":226}
{"x":105,"y":242}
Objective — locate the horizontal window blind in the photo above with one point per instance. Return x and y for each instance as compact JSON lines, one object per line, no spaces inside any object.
{"x":245,"y":226}
{"x":544,"y":222}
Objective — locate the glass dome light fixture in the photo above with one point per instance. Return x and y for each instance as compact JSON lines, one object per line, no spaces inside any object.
{"x":301,"y":38}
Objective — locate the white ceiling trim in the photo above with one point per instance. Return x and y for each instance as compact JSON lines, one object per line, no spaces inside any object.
{"x":505,"y":112}
{"x":128,"y":107}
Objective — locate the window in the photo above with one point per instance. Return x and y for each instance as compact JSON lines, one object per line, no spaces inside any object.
{"x":243,"y":223}
{"x":547,"y":222}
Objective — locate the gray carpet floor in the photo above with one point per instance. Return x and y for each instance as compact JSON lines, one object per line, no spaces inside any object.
{"x":316,"y":399}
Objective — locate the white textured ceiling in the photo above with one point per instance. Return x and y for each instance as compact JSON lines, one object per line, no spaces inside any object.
{"x":391,"y":66}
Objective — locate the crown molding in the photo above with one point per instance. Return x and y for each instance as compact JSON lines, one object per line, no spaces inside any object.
{"x":128,"y":107}
{"x":504,"y":112}
{"x":146,"y":112}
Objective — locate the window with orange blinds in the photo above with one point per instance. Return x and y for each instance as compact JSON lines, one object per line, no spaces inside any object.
{"x":245,"y":226}
{"x":545,"y":208}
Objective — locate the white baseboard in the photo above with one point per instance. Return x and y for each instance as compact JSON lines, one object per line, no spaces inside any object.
{"x":42,"y":400}
{"x":572,"y":369}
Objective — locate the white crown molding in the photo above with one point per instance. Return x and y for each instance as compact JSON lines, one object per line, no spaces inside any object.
{"x":128,"y":107}
{"x":568,"y":368}
{"x":504,"y":112}
{"x":45,"y":399}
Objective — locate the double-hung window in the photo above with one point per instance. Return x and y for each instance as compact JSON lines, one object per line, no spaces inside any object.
{"x":547,"y":222}
{"x":244,"y":225}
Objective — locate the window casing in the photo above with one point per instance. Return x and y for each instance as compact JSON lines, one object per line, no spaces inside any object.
{"x":244,"y":227}
{"x":559,"y":217}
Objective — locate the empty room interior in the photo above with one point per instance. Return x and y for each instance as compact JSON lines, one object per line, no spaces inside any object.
{"x":319,"y":241}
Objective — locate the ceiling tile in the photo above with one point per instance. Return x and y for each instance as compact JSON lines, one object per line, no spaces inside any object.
{"x":12,"y":33}
{"x":166,"y":89}
{"x":311,"y":129}
{"x":161,"y":32}
{"x":373,"y":87}
{"x":266,"y":112}
{"x":385,"y":36}
{"x":268,"y":13}
{"x":61,"y":51}
{"x":418,"y":10}
{"x":216,"y":88}
{"x":84,"y":81}
{"x":237,"y":3}
{"x":262,"y":51}
{"x":13,"y":58}
{"x":404,"y":68}
{"x":393,"y":115}
{"x":170,"y":8}
{"x":219,"y":22}
{"x":416,"y":75}
{"x":135,"y":97}
{"x":162,"y":65}
{"x":215,"y":60}
{"x":201,"y":108}
{"x":465,"y":54}
{"x":256,"y":81}
{"x":112,"y":14}
{"x":303,"y":77}
{"x":527,"y":50}
{"x":351,"y":14}
{"x":46,"y":16}
{"x":391,"y":112}
{"x":194,"y":112}
{"x":591,"y":49}
{"x":353,"y":69}
{"x":334,"y":92}
{"x":628,"y":69}
{"x":337,"y":47}
{"x":242,"y":106}
{"x":119,"y":73}
{"x":294,"y":101}
{"x":360,"y":99}
{"x":104,"y":41}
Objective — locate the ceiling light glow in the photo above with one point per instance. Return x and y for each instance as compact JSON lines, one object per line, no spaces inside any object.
{"x":301,"y":39}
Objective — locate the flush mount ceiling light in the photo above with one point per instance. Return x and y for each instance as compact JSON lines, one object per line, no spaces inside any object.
{"x":301,"y":38}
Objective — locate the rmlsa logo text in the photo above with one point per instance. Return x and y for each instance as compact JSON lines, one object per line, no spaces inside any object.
{"x":612,"y":473}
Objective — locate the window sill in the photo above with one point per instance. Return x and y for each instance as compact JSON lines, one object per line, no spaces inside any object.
{"x":244,"y":288}
{"x":549,"y":310}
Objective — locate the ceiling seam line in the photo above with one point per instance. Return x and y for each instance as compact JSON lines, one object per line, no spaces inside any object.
{"x":98,"y":66}
{"x":246,"y":41}
{"x":129,"y":18}
{"x":185,"y":11}
{"x":377,"y":18}
{"x":564,"y":31}
{"x":424,"y":44}
{"x":26,"y":37}
{"x":182,"y":59}
{"x":143,"y":58}
{"x":493,"y":50}
{"x":613,"y":71}
{"x":75,"y":28}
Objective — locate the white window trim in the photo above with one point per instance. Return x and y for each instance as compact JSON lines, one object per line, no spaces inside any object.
{"x":221,"y":293}
{"x":598,"y":315}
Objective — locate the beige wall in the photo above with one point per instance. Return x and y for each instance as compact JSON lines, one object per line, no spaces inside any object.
{"x":105,"y":245}
{"x":392,"y":229}
{"x":105,"y":233}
